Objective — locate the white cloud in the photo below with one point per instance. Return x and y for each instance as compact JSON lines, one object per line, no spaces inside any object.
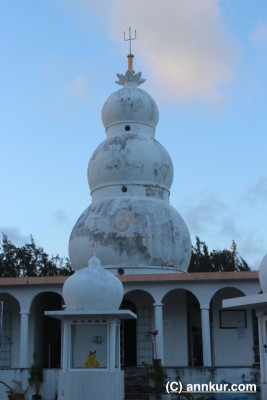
{"x":77,"y":87}
{"x":218,"y":225}
{"x":14,"y":235}
{"x":251,"y":247}
{"x":257,"y":192}
{"x":203,"y":211}
{"x":183,"y":43}
{"x":60,"y":216}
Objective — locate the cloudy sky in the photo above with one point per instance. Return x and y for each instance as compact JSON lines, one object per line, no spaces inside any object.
{"x":206,"y":66}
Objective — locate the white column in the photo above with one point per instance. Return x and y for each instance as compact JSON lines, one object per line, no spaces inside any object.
{"x":206,"y":344}
{"x":112,"y":345}
{"x":66,"y":345}
{"x":24,"y":340}
{"x":159,"y":327}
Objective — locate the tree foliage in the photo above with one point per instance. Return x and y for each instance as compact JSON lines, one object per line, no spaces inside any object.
{"x":217,"y":260}
{"x":30,"y":260}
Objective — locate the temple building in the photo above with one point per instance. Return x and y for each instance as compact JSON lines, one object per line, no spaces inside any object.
{"x":133,"y":231}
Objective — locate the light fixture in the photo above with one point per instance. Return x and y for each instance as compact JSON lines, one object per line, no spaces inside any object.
{"x":98,"y":339}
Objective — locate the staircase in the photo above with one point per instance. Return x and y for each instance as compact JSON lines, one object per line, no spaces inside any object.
{"x":136,"y":383}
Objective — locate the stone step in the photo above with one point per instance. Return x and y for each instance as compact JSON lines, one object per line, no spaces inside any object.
{"x":134,"y":396}
{"x":136,"y":383}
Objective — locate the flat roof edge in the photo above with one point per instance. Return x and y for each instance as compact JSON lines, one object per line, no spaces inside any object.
{"x":182,"y":276}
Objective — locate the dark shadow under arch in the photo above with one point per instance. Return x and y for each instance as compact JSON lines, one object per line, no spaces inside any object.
{"x":128,"y":336}
{"x":47,"y":330}
{"x":228,"y":292}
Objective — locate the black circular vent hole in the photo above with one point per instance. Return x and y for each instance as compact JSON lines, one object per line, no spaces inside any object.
{"x":124,"y":189}
{"x":127,"y":128}
{"x":120,"y":271}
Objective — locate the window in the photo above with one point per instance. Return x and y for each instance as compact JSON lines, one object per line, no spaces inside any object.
{"x":89,"y":345}
{"x":5,"y":340}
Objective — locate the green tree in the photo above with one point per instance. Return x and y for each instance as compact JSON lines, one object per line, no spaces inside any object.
{"x":216,"y":261}
{"x":30,"y":260}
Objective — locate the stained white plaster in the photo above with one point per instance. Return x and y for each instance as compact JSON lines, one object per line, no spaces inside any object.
{"x":130,"y":159}
{"x":130,"y":223}
{"x":130,"y":104}
{"x":131,"y":232}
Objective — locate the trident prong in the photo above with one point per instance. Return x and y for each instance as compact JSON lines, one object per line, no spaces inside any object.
{"x":130,"y":38}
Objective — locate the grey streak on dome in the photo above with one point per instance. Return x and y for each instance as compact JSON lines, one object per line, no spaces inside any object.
{"x":131,"y":158}
{"x":130,"y":104}
{"x":152,"y":220}
{"x":130,"y":221}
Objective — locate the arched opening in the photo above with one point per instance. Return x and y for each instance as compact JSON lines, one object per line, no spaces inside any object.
{"x":182,"y":329}
{"x":136,"y":346}
{"x":10,"y":332}
{"x":232,"y":331}
{"x":195,"y":349}
{"x":47,"y":330}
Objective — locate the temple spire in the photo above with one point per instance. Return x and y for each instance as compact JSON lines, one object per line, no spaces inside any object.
{"x":130,"y":55}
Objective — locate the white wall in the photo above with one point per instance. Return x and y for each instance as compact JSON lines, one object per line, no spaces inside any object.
{"x":232,"y":347}
{"x":48,"y":388}
{"x":175,"y":329}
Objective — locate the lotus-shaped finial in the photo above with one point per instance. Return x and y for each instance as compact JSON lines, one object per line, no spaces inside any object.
{"x":130,"y":77}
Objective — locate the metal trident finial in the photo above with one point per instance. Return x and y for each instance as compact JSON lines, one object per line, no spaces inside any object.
{"x":130,"y":38}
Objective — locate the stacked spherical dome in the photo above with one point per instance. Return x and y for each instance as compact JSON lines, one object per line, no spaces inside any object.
{"x":130,"y":154}
{"x":130,"y":221}
{"x":127,"y":105}
{"x":132,"y":232}
{"x":130,"y":158}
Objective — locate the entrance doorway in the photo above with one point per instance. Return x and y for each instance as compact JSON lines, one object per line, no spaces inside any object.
{"x":47,"y":330}
{"x":128,"y":336}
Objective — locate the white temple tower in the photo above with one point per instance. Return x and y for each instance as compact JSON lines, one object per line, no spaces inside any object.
{"x":130,"y":224}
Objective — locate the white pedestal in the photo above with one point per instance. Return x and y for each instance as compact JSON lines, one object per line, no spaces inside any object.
{"x":91,"y":385}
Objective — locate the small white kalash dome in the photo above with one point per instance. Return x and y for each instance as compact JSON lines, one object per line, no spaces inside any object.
{"x":263,"y":274}
{"x":93,"y":288}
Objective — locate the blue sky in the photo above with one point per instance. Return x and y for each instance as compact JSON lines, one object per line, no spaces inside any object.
{"x":206,"y":66}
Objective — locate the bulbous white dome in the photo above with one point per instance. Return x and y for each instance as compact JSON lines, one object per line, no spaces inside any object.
{"x":263,"y":274}
{"x":127,"y":105}
{"x":93,"y":288}
{"x":130,"y":158}
{"x":131,"y":233}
